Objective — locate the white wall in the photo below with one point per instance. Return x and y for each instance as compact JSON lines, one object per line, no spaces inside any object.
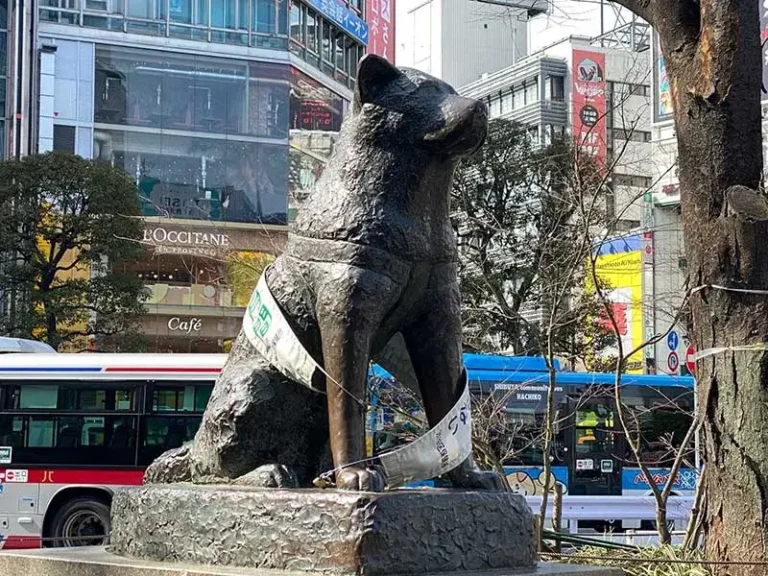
{"x":419,"y":35}
{"x":480,"y":39}
{"x":458,"y":40}
{"x":571,"y":18}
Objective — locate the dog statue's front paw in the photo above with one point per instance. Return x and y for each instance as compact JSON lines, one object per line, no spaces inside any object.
{"x":361,"y":479}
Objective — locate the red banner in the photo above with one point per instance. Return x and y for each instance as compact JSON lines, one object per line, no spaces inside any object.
{"x":380,"y":17}
{"x":589,"y":104}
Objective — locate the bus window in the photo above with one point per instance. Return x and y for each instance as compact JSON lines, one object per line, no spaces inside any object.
{"x":168,"y":399}
{"x":171,"y":432}
{"x":39,"y":397}
{"x":202,"y":395}
{"x":41,"y":432}
{"x":69,"y":439}
{"x":68,"y":396}
{"x":178,"y":398}
{"x":11,"y":431}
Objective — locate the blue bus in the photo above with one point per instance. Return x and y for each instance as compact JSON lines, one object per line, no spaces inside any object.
{"x":590,"y":454}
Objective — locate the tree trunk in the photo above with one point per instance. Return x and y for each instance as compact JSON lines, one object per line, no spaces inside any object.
{"x":713,"y":58}
{"x":714,"y":63}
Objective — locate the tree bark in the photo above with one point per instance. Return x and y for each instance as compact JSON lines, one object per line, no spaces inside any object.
{"x":713,"y":58}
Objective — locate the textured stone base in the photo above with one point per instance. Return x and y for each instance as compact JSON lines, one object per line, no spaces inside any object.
{"x":405,"y":532}
{"x":98,"y":562}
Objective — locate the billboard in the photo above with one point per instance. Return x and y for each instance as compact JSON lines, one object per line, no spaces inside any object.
{"x":619,"y":265}
{"x":380,"y":15}
{"x":665,"y":93}
{"x":662,"y":90}
{"x":764,"y":43}
{"x":589,"y":104}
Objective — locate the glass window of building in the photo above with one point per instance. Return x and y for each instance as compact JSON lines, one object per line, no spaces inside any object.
{"x":195,"y":132}
{"x":313,"y":38}
{"x":224,"y":21}
{"x":313,"y":106}
{"x":323,"y":44}
{"x":518,"y":97}
{"x":507,"y":101}
{"x":3,"y":72}
{"x":532,"y":90}
{"x":556,"y":88}
{"x":64,"y":138}
{"x":495,"y":106}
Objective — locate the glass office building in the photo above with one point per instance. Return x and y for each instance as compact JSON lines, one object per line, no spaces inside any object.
{"x":224,"y":112}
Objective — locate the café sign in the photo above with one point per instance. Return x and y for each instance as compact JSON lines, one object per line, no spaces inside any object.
{"x":187,"y":326}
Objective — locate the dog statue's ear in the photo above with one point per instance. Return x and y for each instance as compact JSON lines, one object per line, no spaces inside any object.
{"x":374,"y":74}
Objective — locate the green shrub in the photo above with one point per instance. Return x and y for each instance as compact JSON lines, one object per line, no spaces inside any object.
{"x":644,"y":562}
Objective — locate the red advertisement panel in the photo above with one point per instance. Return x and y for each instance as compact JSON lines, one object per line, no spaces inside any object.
{"x":589,"y":104}
{"x":380,"y":17}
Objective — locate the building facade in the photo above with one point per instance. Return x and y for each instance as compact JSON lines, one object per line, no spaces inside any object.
{"x":542,"y":92}
{"x":459,"y":40}
{"x":224,"y":112}
{"x":599,"y":95}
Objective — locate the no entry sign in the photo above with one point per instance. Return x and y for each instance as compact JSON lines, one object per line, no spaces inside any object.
{"x":690,"y":363}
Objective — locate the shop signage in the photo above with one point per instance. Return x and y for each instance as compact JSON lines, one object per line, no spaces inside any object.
{"x":186,"y":241}
{"x":344,"y":17}
{"x":379,"y":14}
{"x":185,"y":238}
{"x":187,"y":326}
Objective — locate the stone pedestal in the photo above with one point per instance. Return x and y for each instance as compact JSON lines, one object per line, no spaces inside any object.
{"x":98,"y":562}
{"x":406,"y":532}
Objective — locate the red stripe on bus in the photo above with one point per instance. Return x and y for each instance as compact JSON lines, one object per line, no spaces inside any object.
{"x":84,"y":476}
{"x":21,"y":542}
{"x":164,"y":370}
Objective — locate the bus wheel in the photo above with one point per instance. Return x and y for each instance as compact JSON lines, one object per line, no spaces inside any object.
{"x":81,"y":522}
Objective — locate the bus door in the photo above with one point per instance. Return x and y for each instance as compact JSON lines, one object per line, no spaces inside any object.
{"x":595,"y":460}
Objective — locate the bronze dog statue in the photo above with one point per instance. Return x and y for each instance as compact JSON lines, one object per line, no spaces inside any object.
{"x":369,"y":272}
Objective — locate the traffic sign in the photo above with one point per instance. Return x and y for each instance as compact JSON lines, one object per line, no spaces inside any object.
{"x":673,"y":340}
{"x":673,"y":361}
{"x":690,"y":361}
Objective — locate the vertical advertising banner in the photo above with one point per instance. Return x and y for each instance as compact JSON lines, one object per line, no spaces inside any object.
{"x":380,"y":16}
{"x":665,"y":93}
{"x":589,"y":104}
{"x":619,"y":267}
{"x":764,"y":43}
{"x":662,"y":91}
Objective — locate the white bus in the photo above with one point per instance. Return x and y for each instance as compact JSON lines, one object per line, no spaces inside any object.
{"x":73,"y":427}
